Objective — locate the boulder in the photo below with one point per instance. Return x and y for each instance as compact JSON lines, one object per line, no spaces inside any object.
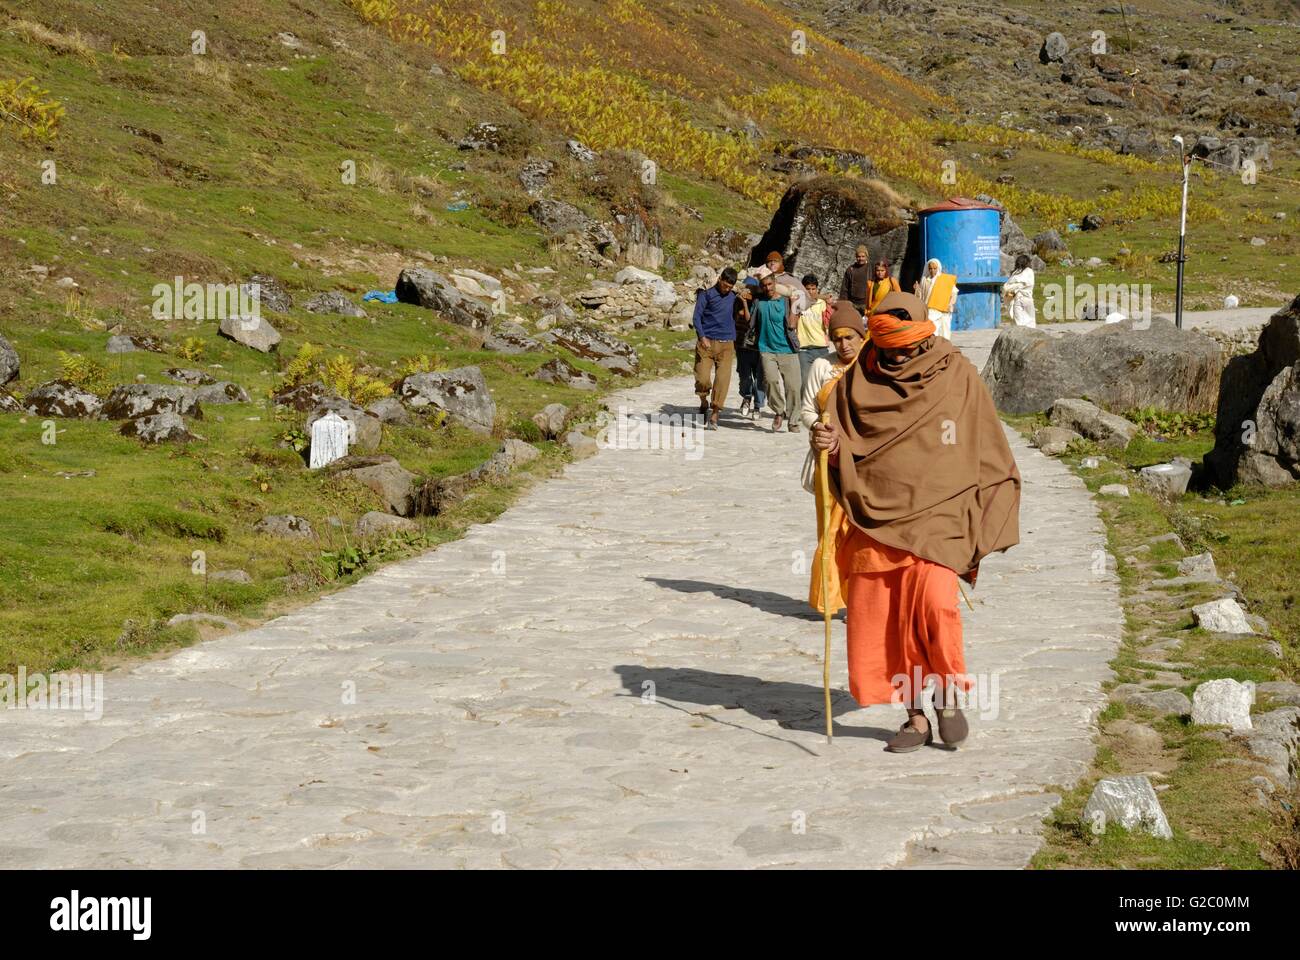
{"x":334,"y":302}
{"x":9,"y":362}
{"x":253,"y":332}
{"x":1168,"y":479}
{"x":1054,"y":49}
{"x":535,"y":175}
{"x":130,"y":343}
{"x":434,"y":291}
{"x":510,"y":338}
{"x":390,"y":410}
{"x":1054,"y":441}
{"x":59,"y":398}
{"x":268,"y":292}
{"x":1223,"y":702}
{"x":1113,"y":490}
{"x":1130,"y":802}
{"x":1119,"y":366}
{"x":591,"y":343}
{"x":133,"y":400}
{"x":190,"y":377}
{"x":550,"y":420}
{"x":1049,"y":242}
{"x":1162,"y":702}
{"x":462,"y":393}
{"x":303,"y":397}
{"x":231,"y":576}
{"x":436,"y":495}
{"x":580,"y":445}
{"x":819,"y":222}
{"x":1222,"y":616}
{"x":559,"y":219}
{"x":221,"y":392}
{"x":284,"y":525}
{"x":1228,"y":155}
{"x":1200,"y":566}
{"x":165,"y":427}
{"x":560,"y":371}
{"x":393,"y":483}
{"x":1275,"y":740}
{"x":1093,"y":422}
{"x":375,"y":524}
{"x":639,"y":236}
{"x":1257,"y":428}
{"x":8,"y":404}
{"x":366,"y":431}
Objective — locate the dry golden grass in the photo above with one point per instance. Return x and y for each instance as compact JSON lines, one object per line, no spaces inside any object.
{"x":74,"y":43}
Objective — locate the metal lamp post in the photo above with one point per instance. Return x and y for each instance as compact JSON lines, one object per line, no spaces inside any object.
{"x":1182,"y":236}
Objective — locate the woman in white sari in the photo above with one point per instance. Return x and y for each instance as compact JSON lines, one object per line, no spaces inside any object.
{"x":938,"y":291}
{"x":1018,"y":294}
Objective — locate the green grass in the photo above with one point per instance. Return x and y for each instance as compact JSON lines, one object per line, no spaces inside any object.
{"x":1208,"y":799}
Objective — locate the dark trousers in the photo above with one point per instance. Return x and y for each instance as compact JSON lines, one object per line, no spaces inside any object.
{"x":749,"y":367}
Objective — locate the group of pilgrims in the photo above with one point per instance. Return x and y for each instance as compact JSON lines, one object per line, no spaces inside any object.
{"x":920,"y":476}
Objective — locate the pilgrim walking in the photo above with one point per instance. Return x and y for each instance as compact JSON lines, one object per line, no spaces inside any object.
{"x":926,"y":487}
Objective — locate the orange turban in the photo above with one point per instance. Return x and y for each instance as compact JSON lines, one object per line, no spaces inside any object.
{"x":891,"y":332}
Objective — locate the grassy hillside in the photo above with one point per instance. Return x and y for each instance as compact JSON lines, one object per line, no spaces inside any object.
{"x":142,"y":141}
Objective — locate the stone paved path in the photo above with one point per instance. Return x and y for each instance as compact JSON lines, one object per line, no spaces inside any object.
{"x":502,"y":716}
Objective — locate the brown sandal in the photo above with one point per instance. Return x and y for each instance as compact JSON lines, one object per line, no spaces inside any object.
{"x":953,"y":728}
{"x":909,"y":738}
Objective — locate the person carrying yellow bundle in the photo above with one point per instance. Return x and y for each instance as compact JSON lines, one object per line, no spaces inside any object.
{"x":848,"y":335}
{"x":938,"y":291}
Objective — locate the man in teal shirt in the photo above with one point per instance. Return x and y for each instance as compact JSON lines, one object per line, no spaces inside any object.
{"x":775,"y":321}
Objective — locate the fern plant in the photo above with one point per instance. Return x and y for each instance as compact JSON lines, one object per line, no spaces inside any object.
{"x":83,"y":372}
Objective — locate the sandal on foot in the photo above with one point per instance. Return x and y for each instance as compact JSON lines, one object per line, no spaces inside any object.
{"x":909,"y":738}
{"x":953,"y":728}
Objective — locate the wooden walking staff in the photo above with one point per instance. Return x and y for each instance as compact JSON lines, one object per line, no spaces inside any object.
{"x":823,"y":482}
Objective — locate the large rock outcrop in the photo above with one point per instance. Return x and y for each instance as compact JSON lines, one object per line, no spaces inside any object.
{"x":1118,"y":366}
{"x":462,"y":393}
{"x":1257,"y":430}
{"x":9,"y":363}
{"x":432,"y":290}
{"x":820,"y":222}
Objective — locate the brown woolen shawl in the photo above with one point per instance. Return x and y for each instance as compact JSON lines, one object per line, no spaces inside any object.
{"x":950,"y":503}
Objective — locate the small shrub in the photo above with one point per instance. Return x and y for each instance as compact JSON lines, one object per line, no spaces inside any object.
{"x":192,"y":349}
{"x":83,"y":372}
{"x":25,"y":105}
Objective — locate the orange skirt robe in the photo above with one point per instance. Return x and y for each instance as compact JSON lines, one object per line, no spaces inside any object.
{"x":904,"y":624}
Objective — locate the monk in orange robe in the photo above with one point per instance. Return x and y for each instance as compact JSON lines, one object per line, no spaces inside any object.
{"x":925,"y":480}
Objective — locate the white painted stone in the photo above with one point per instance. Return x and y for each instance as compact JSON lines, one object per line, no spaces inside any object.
{"x":1113,"y":490}
{"x":329,"y":439}
{"x":1129,"y":801}
{"x":1222,"y":616}
{"x":1225,"y":702}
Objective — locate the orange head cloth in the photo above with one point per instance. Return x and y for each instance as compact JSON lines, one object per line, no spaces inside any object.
{"x":891,"y":332}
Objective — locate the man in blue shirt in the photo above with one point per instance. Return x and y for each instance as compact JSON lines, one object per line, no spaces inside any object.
{"x":715,"y":347}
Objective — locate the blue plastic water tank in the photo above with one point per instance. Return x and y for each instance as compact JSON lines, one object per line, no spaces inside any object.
{"x":964,"y":235}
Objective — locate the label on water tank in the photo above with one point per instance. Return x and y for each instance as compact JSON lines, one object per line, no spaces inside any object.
{"x":987,"y":247}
